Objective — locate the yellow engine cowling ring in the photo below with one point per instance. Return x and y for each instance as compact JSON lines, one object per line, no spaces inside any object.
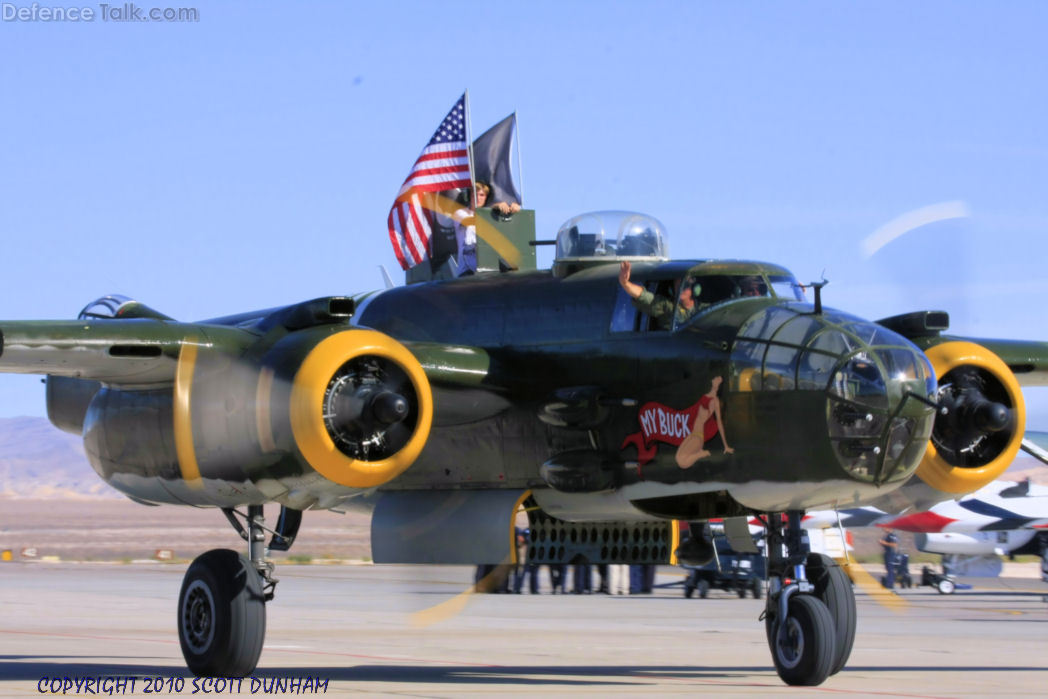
{"x":934,"y":469}
{"x":307,"y":414}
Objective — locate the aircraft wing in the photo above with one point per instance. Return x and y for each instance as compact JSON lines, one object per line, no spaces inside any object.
{"x":1027,"y":359}
{"x":128,"y":351}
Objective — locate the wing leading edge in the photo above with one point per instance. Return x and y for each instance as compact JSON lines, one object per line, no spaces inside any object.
{"x":127,"y":351}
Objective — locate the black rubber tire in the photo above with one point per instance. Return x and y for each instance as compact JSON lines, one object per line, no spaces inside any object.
{"x":689,"y":590}
{"x":833,"y":587}
{"x":221,"y":615}
{"x":741,"y":590}
{"x":806,"y":652}
{"x":704,"y":588}
{"x":757,"y":588}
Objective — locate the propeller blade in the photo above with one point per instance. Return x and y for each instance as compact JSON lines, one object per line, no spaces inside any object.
{"x":485,"y":231}
{"x":1036,"y":445}
{"x":871,"y":586}
{"x":452,"y":607}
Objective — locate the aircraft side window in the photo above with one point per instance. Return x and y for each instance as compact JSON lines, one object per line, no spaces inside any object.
{"x":625,"y":316}
{"x":657,"y":315}
{"x":663,"y":291}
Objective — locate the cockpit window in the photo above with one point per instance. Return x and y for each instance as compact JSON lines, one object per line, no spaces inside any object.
{"x":786,"y":287}
{"x":750,"y":286}
{"x":701,"y":292}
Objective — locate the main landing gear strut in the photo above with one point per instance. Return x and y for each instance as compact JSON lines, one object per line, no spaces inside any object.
{"x":222,"y":605}
{"x":810,"y":612}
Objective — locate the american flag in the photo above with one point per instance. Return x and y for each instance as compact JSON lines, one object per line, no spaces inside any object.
{"x":443,"y":164}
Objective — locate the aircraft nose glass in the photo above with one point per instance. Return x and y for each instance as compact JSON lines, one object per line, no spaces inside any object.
{"x":877,"y":433}
{"x":859,"y":380}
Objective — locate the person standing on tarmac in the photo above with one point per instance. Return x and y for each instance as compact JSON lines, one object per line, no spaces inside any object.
{"x":890,"y":545}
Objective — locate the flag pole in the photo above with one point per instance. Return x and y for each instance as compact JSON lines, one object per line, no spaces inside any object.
{"x":520,"y":164}
{"x":469,"y":147}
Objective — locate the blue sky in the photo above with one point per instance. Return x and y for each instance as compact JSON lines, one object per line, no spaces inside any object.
{"x":249,"y":159}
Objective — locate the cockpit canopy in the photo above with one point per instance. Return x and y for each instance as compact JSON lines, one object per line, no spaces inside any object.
{"x":710,"y":284}
{"x":105,"y":307}
{"x":118,"y":306}
{"x":603,"y":234}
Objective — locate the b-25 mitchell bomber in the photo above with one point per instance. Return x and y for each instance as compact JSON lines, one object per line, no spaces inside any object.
{"x":446,"y":406}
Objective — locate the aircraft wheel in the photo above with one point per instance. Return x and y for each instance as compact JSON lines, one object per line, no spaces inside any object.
{"x":704,"y":588}
{"x":741,"y":590}
{"x":802,"y":644}
{"x":946,"y":586}
{"x":833,"y":587}
{"x":221,"y":615}
{"x":689,"y":590}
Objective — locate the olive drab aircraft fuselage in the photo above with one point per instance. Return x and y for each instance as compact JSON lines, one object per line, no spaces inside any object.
{"x":446,"y":406}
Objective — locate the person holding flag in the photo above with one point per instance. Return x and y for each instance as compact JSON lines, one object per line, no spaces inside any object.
{"x":466,"y":228}
{"x":448,"y":163}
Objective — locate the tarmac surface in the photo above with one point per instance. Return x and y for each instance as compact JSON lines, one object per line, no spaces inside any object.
{"x":408,"y":631}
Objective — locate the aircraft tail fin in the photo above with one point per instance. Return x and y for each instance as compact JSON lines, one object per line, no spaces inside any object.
{"x":388,"y":280}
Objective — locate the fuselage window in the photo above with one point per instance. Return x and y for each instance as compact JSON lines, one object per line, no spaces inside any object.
{"x":624,"y":316}
{"x":665,"y":296}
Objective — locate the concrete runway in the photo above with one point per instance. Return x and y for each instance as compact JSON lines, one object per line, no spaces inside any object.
{"x":356,"y":627}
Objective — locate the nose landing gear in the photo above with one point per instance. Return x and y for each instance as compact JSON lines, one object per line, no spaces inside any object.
{"x":810,"y":613}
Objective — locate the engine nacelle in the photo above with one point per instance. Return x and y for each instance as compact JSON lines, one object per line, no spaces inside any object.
{"x":299,"y":421}
{"x":982,"y":430}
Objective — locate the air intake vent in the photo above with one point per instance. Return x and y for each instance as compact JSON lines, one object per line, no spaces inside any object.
{"x":322,"y":311}
{"x":144,"y":351}
{"x":918,"y":324}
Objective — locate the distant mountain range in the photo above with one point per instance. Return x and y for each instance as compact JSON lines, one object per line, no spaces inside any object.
{"x":37,"y":460}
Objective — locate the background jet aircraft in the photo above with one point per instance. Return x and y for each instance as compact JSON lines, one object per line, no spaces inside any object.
{"x":1004,"y":518}
{"x":1000,"y":506}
